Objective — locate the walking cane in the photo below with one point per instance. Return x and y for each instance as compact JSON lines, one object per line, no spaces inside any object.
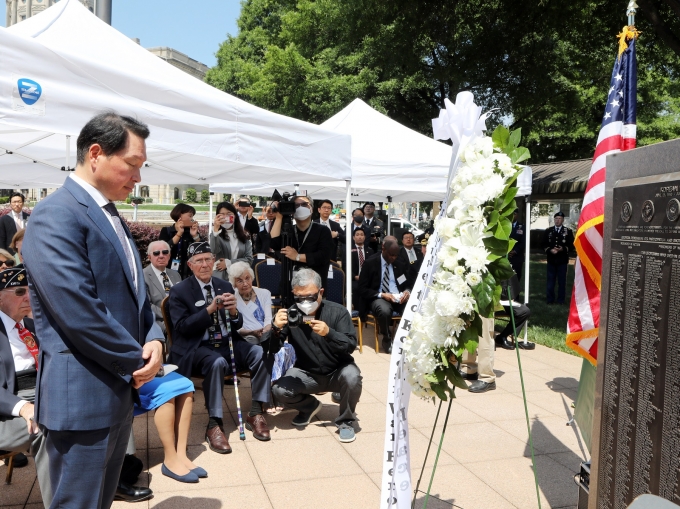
{"x":242,"y":433}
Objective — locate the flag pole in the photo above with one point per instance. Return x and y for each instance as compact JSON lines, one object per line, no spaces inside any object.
{"x":630,"y":11}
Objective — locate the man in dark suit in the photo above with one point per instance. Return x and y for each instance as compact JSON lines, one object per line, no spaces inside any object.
{"x":201,"y":345}
{"x":360,"y":253}
{"x":248,"y":222}
{"x":411,"y":256}
{"x":98,"y":337}
{"x":358,"y":222}
{"x":18,"y":355}
{"x":375,"y":226}
{"x":516,"y":256}
{"x":264,"y":237}
{"x":324,"y":219}
{"x":384,"y":286}
{"x":11,"y":223}
{"x":159,"y":278}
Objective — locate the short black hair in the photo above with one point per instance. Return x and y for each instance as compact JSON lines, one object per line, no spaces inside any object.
{"x":326,"y":201}
{"x":181,"y":208}
{"x":110,"y":131}
{"x":360,"y":210}
{"x":359,"y":230}
{"x":407,"y":233}
{"x":15,"y":194}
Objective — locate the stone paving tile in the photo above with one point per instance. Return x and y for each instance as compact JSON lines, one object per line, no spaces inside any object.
{"x":327,"y":493}
{"x":234,"y":497}
{"x":559,"y":376}
{"x":18,"y":492}
{"x":550,"y":434}
{"x":500,"y":406}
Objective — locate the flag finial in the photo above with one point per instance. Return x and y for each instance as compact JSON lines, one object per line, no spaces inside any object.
{"x":630,"y":11}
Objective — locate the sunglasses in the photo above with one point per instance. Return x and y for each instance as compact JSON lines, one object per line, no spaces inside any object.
{"x":306,"y":298}
{"x":156,"y":253}
{"x":7,"y":263}
{"x":19,"y":292}
{"x":303,"y":204}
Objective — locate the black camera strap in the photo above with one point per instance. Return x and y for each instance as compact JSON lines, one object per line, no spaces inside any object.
{"x":309,"y":229}
{"x":214,"y":331}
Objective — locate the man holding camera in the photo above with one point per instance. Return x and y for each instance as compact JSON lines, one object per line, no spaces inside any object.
{"x":245,"y":216}
{"x":311,"y":244}
{"x":375,"y":226}
{"x":323,"y":336}
{"x":201,"y":344}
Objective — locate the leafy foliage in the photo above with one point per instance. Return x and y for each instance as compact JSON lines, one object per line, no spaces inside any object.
{"x":544,"y":65}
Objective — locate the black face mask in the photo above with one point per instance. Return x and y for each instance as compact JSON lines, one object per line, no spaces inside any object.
{"x":358,"y":219}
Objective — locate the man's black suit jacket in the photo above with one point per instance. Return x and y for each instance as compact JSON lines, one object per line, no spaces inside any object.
{"x":368,"y":252}
{"x":335,"y":227}
{"x":413,"y":267}
{"x":8,"y":228}
{"x":370,"y":278}
{"x":8,"y":376}
{"x":190,"y":320}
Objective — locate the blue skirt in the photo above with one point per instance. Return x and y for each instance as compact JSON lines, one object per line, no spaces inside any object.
{"x":161,"y":390}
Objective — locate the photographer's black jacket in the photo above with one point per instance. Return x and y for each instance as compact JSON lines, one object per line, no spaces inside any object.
{"x":316,"y":354}
{"x":318,"y":248}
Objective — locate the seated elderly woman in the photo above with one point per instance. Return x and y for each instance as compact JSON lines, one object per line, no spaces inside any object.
{"x":255,"y":306}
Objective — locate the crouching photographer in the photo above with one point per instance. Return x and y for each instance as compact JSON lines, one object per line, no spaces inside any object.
{"x":323,"y":336}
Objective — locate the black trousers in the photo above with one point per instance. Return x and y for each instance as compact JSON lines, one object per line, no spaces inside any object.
{"x":382,"y":310}
{"x":215,"y":363}
{"x":556,"y":272}
{"x":522,"y":314}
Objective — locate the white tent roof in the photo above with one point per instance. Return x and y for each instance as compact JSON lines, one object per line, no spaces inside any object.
{"x":198,"y":133}
{"x":388,"y":159}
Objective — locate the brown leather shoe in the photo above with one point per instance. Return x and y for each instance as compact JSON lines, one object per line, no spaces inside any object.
{"x":217,"y":441}
{"x":258,"y":425}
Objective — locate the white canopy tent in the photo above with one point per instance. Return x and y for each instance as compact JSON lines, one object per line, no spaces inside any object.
{"x":64,"y":65}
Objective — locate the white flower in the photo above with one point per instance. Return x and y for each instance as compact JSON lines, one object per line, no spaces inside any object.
{"x":484,"y":145}
{"x":446,"y":226}
{"x":470,"y":236}
{"x":459,"y":271}
{"x":475,"y":258}
{"x":473,"y":279}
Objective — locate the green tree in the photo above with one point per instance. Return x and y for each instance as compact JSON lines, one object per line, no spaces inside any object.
{"x":190,"y":195}
{"x":205,"y":196}
{"x":543,"y":65}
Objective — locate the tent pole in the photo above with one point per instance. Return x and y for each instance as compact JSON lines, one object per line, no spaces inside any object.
{"x":347,"y":267}
{"x":527,"y":241}
{"x":389,"y":221}
{"x":210,"y":205}
{"x":68,"y":152}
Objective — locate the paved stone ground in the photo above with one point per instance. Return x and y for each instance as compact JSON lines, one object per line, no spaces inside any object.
{"x":485,"y":460}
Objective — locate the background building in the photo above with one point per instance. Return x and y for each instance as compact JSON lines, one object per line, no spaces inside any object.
{"x":19,"y":10}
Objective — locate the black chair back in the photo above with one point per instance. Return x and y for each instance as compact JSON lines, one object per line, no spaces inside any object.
{"x":268,"y":276}
{"x":335,"y":286}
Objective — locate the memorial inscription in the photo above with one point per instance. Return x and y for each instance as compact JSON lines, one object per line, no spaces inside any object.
{"x":640,"y":424}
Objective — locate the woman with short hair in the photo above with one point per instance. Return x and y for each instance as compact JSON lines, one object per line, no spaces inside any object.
{"x":229,"y":242}
{"x":255,"y":306}
{"x":180,"y":236}
{"x":6,"y":260}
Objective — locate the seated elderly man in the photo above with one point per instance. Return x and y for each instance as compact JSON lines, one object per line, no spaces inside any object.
{"x":255,"y":306}
{"x":324,"y":339}
{"x":19,"y":357}
{"x":159,"y":278}
{"x":201,"y":332}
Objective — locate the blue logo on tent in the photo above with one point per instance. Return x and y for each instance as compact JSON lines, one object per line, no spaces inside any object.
{"x":29,"y":91}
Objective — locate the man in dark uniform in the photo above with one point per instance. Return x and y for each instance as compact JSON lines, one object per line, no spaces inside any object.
{"x":516,"y":256}
{"x":558,"y":240}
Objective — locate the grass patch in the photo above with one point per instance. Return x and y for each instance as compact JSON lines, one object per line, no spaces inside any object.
{"x":548,"y":324}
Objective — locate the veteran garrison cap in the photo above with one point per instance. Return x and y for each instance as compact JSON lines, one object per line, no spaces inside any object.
{"x":13,"y":277}
{"x":197,"y":248}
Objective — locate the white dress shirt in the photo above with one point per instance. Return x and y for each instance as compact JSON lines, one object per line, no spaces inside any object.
{"x":18,"y":219}
{"x":394,"y":289}
{"x":101,"y":200}
{"x":223,"y":327}
{"x":411,"y":255}
{"x":327,"y":222}
{"x":363,"y":251}
{"x":22,"y":357}
{"x":160,"y":278}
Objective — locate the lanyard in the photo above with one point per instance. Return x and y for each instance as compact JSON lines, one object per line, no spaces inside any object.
{"x":303,"y":240}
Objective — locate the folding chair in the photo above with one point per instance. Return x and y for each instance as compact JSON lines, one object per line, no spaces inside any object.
{"x":370,"y":319}
{"x":269,"y":277}
{"x":10,"y":465}
{"x":335,"y":292}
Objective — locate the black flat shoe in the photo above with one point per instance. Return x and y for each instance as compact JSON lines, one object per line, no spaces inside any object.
{"x":526,"y":346}
{"x":482,"y":386}
{"x":504,"y":343}
{"x":19,"y":461}
{"x":335,"y":397}
{"x":132,"y":493}
{"x":387,"y":346}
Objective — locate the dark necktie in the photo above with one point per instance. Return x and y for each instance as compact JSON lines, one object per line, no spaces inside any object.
{"x":385,"y":287}
{"x":166,"y":282}
{"x":361,"y":257}
{"x":122,"y":237}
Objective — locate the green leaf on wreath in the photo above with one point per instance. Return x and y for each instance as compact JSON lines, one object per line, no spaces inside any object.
{"x":483,"y":294}
{"x":496,"y":246}
{"x":501,"y":136}
{"x":503,"y":229}
{"x":501,"y":269}
{"x":455,"y":378}
{"x":515,"y":138}
{"x":517,"y":155}
{"x":439,"y":391}
{"x":493,"y":219}
{"x":509,"y":197}
{"x":511,"y":183}
{"x":445,"y":361}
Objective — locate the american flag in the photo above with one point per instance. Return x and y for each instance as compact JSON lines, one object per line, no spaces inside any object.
{"x":616,"y":134}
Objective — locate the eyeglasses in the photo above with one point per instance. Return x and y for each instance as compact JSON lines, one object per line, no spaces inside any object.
{"x":306,"y":298}
{"x":203,"y":261}
{"x":19,"y":292}
{"x":7,"y":263}
{"x":302,"y":204}
{"x":156,"y":253}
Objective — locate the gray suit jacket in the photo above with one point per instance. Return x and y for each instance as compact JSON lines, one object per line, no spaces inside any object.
{"x":8,"y":378}
{"x":91,"y":318}
{"x":155,"y":291}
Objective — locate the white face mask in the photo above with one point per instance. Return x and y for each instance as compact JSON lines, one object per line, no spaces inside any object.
{"x":308,"y":307}
{"x":302,"y":213}
{"x":227,"y":226}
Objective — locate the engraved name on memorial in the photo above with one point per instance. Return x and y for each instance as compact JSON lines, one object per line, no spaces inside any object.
{"x":640,"y":423}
